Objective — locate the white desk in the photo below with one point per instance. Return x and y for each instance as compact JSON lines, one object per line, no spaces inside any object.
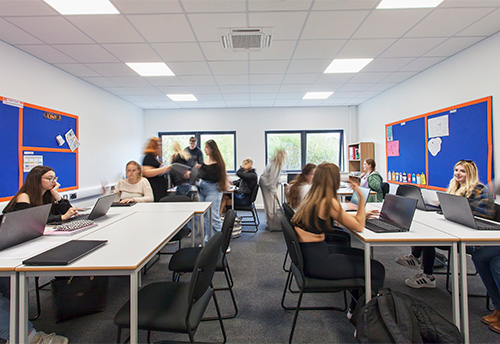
{"x":132,"y":242}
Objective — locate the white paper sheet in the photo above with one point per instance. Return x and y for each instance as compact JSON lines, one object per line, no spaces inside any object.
{"x":434,"y":145}
{"x":438,"y":126}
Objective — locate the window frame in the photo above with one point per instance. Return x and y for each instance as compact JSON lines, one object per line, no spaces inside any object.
{"x":198,"y":135}
{"x":303,"y":144}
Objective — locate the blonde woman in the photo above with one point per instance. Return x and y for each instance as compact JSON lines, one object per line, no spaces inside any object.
{"x":134,"y":188}
{"x":179,"y":175}
{"x":269,"y":186}
{"x":465,"y":182}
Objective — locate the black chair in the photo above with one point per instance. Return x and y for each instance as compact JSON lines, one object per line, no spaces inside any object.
{"x":177,"y":306}
{"x":289,"y":212}
{"x":385,"y":188}
{"x":183,"y":261}
{"x":185,"y":231}
{"x":307,"y":284}
{"x":251,"y":208}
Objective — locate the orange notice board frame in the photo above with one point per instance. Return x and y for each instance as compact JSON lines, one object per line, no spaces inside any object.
{"x":422,"y":150}
{"x":29,"y":136}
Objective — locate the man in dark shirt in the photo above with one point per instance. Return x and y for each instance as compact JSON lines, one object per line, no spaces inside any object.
{"x":196,"y":153}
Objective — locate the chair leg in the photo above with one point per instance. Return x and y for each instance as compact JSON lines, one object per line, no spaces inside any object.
{"x":296,"y":315}
{"x":219,"y":317}
{"x":149,"y":337}
{"x":284,"y":262}
{"x":287,"y":285}
{"x":472,"y":274}
{"x":230,"y":283}
{"x":119,"y":335}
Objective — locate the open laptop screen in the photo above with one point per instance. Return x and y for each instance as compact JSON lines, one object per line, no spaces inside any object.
{"x":398,"y":210}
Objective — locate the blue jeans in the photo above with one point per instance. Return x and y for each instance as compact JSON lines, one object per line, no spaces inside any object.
{"x":5,"y":309}
{"x":209,"y":192}
{"x":487,"y":262}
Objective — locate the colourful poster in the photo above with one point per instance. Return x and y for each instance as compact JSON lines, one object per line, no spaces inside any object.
{"x":393,"y":148}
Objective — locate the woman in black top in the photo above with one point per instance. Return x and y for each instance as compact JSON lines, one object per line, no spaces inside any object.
{"x":179,"y":176}
{"x":41,"y":187}
{"x":153,"y":169}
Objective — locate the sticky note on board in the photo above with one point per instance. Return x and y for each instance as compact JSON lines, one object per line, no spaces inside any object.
{"x":393,"y":148}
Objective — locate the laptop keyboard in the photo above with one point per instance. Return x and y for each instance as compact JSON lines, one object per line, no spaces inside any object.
{"x":485,"y":225}
{"x":75,"y":225}
{"x":380,"y":226}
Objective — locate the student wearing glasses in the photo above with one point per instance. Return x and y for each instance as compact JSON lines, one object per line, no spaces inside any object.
{"x":41,"y":187}
{"x":465,"y":182}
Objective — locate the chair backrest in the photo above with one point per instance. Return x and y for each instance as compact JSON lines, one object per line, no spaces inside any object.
{"x":227,"y":229}
{"x":176,"y":198}
{"x":253,"y":196}
{"x":385,"y":188}
{"x":289,"y":212}
{"x":405,"y":189}
{"x":497,"y":212}
{"x":292,"y":243}
{"x":204,"y":268}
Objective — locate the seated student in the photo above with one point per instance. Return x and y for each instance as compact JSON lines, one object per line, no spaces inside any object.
{"x":41,"y":187}
{"x":134,"y":188}
{"x":298,"y":188}
{"x":465,"y":182}
{"x":244,"y":186}
{"x":314,"y":218}
{"x":372,"y":179}
{"x":179,"y":176}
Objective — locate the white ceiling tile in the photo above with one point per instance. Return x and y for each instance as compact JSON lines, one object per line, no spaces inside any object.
{"x":119,"y":91}
{"x":117,"y":29}
{"x":301,"y":78}
{"x":51,"y":30}
{"x":382,"y":86}
{"x":485,"y":27}
{"x":47,"y":53}
{"x":25,"y":8}
{"x":285,"y":102}
{"x":204,"y":89}
{"x":270,"y":67}
{"x":289,"y":96}
{"x":310,"y":102}
{"x":308,"y":66}
{"x":135,"y":81}
{"x":174,"y":89}
{"x":12,"y":34}
{"x":213,"y":52}
{"x":202,"y":97}
{"x":144,"y":90}
{"x":389,"y":23}
{"x":412,"y":47}
{"x":265,"y":79}
{"x":369,"y":77}
{"x":159,"y":105}
{"x":179,"y":51}
{"x":280,"y":50}
{"x":470,"y":3}
{"x":279,"y":5}
{"x":236,"y":96}
{"x":294,"y":88}
{"x":189,"y":68}
{"x":287,"y":25}
{"x":237,"y":103}
{"x":322,"y":5}
{"x":165,"y":81}
{"x":452,"y":46}
{"x":262,"y":96}
{"x":351,"y":87}
{"x":334,"y":78}
{"x":112,"y":69}
{"x":323,"y":49}
{"x":163,"y":27}
{"x":229,"y":89}
{"x":229,"y":67}
{"x":261,"y":102}
{"x":437,"y":24}
{"x":197,"y":6}
{"x":421,"y":64}
{"x":324,"y":87}
{"x":387,"y":64}
{"x":399,"y":76}
{"x":147,"y":6}
{"x":264,"y":88}
{"x":100,"y":81}
{"x":344,"y":95}
{"x":134,"y":52}
{"x":205,"y":25}
{"x":86,"y":53}
{"x":333,"y":24}
{"x":198,"y":80}
{"x":77,"y":69}
{"x":364,"y":48}
{"x":214,"y":104}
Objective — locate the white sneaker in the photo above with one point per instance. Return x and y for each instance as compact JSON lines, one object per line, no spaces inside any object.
{"x":228,"y":249}
{"x":421,"y":280}
{"x":409,"y":261}
{"x":52,"y":338}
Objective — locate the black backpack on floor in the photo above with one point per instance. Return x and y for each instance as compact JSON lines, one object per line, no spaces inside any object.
{"x":394,"y":317}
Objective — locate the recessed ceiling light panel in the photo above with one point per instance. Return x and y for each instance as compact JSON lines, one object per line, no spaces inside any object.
{"x":392,"y":4}
{"x":317,"y":95}
{"x":182,"y":97}
{"x":347,"y":65}
{"x":82,"y":7}
{"x":151,"y":68}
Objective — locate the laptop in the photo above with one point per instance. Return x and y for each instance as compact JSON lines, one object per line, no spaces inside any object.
{"x":414,"y":191}
{"x":23,"y":225}
{"x":100,"y":208}
{"x":396,"y":215}
{"x":457,"y":209}
{"x":353,"y":204}
{"x":66,"y":253}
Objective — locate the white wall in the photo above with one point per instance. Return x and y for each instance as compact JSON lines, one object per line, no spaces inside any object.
{"x":111,"y":130}
{"x":469,"y":75}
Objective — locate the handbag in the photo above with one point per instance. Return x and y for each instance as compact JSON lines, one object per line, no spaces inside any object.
{"x":274,"y":218}
{"x":76,"y":296}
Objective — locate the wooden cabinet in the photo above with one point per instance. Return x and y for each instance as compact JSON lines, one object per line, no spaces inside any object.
{"x":357,"y":153}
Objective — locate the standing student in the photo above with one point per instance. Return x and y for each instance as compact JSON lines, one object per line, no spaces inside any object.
{"x":372,"y":179}
{"x":134,"y":188}
{"x":195,"y":153}
{"x":465,"y":182}
{"x":41,"y":187}
{"x":212,"y":183}
{"x":180,"y":175}
{"x":299,"y":187}
{"x":269,"y":185}
{"x":154,"y":170}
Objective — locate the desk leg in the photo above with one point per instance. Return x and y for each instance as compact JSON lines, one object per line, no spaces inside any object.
{"x":463,"y":290}
{"x":211,"y":226}
{"x":23,"y":308}
{"x":193,"y":231}
{"x":368,"y":273}
{"x":14,"y":317}
{"x":202,"y":229}
{"x":454,"y":281}
{"x":134,"y":307}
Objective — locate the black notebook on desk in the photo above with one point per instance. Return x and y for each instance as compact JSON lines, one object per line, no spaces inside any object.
{"x":66,"y":253}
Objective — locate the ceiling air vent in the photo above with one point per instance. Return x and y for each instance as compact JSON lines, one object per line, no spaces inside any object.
{"x":246,"y":39}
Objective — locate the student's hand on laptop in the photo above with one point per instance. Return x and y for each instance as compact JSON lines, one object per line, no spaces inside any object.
{"x":373,"y":214}
{"x":127,"y":200}
{"x":71,"y":212}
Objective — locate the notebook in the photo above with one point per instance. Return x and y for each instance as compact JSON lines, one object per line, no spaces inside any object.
{"x":99,"y":209}
{"x":20,"y":226}
{"x":414,"y":191}
{"x":66,"y":253}
{"x":457,"y":209}
{"x":353,"y":204}
{"x":396,"y":215}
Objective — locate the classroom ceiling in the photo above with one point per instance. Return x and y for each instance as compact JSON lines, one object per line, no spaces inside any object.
{"x":308,"y":35}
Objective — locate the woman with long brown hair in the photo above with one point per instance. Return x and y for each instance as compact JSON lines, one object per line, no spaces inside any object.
{"x":154,"y":170}
{"x":212,"y":183}
{"x":299,"y":187}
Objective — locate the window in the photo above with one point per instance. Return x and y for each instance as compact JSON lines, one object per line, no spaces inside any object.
{"x":307,"y":146}
{"x":226,"y":141}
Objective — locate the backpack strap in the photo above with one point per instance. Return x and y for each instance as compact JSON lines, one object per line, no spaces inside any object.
{"x":400,"y":329}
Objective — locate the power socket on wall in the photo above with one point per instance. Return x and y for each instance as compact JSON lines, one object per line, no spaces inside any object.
{"x":72,"y":195}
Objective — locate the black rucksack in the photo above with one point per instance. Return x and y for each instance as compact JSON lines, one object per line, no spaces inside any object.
{"x":394,"y":317}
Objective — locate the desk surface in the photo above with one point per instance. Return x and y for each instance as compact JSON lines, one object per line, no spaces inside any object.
{"x":196,"y":207}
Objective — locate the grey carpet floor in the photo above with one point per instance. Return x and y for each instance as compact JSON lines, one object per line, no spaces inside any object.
{"x":256,"y":264}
